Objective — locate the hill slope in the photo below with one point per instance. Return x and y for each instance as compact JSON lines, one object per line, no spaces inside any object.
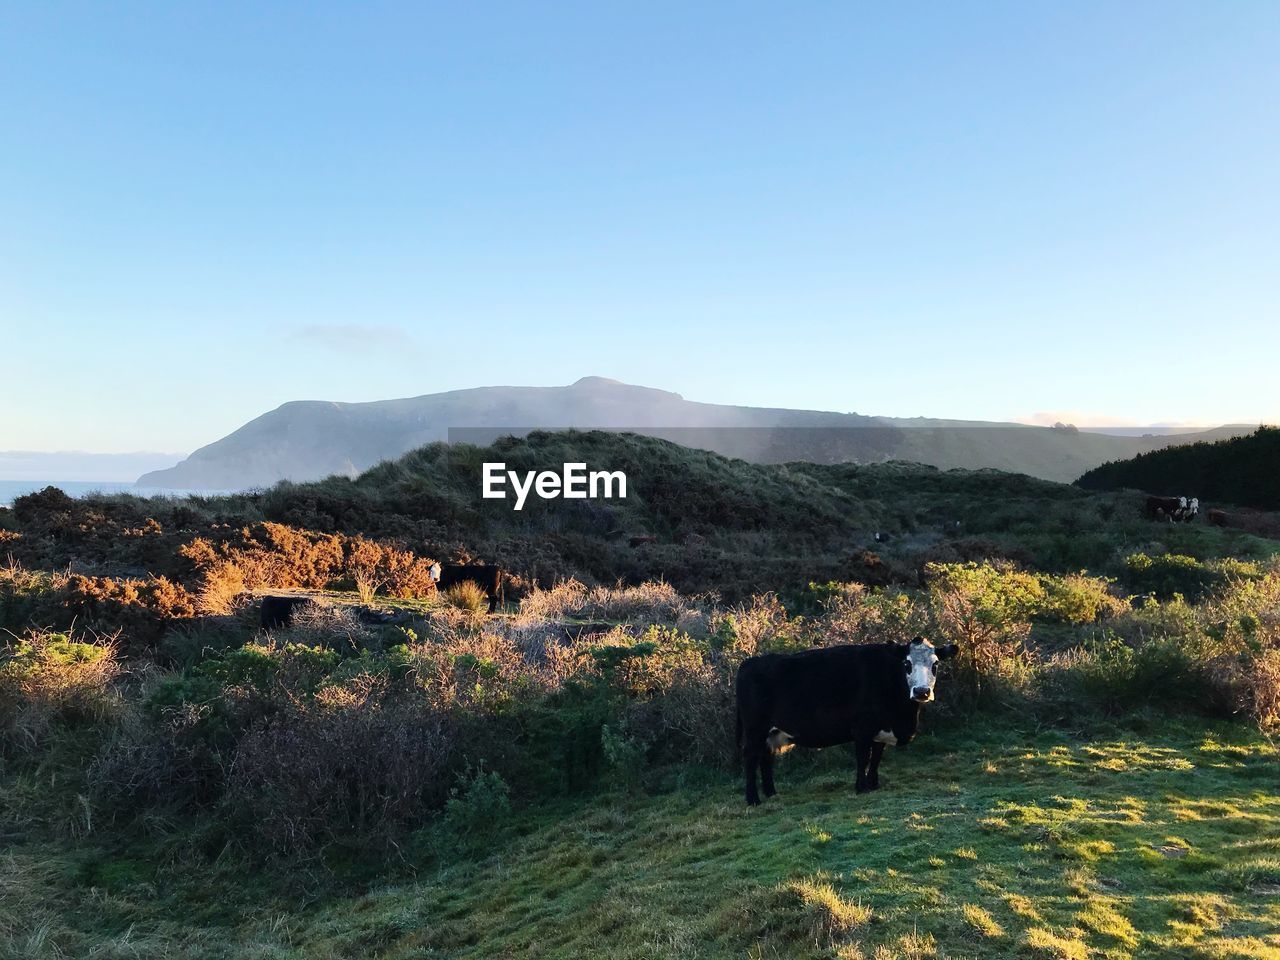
{"x":306,"y":440}
{"x":1240,"y":470}
{"x":717,"y":524}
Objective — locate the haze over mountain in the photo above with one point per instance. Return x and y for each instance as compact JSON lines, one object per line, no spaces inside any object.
{"x":309,"y":439}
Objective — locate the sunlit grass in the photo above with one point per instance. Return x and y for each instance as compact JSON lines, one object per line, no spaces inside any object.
{"x":1174,"y":853}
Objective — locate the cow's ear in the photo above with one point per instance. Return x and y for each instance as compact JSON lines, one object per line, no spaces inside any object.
{"x":947,"y":651}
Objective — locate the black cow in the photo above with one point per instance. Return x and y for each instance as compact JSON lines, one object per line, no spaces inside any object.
{"x":866,"y":694}
{"x":277,"y":612}
{"x":1173,"y":509}
{"x":487,"y":578}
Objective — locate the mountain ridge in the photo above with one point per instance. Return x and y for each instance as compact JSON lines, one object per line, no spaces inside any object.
{"x":308,"y":439}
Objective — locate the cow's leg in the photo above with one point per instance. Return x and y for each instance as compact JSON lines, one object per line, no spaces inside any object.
{"x":766,"y":772}
{"x":755,"y":755}
{"x":873,"y":770}
{"x":861,"y":757}
{"x":752,"y":750}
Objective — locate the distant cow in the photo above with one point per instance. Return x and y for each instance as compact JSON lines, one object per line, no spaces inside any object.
{"x":487,"y":578}
{"x":641,"y":541}
{"x":1217,"y":518}
{"x":1167,"y":508}
{"x":868,"y":695}
{"x":277,"y":612}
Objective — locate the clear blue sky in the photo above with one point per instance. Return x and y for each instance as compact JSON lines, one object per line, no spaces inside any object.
{"x":959,"y":209}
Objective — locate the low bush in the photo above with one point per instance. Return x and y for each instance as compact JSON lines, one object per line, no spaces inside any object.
{"x":1078,"y":599}
{"x":139,"y":609}
{"x":359,"y":760}
{"x":477,"y":812}
{"x":270,"y":555}
{"x":986,"y":609}
{"x":49,"y":680}
{"x":651,"y":602}
{"x":1169,"y":574}
{"x":331,"y":730}
{"x":467,"y":596}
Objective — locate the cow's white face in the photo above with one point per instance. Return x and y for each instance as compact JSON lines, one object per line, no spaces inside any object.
{"x":920,"y":663}
{"x":1195,"y":504}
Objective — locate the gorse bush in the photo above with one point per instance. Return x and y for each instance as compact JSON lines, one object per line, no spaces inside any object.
{"x":274,"y":555}
{"x":1078,"y":599}
{"x":987,"y":610}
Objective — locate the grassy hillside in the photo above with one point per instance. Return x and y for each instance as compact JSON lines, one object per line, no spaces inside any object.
{"x":1159,"y":843}
{"x":401,"y":774}
{"x":1243,"y":471}
{"x":724,"y":525}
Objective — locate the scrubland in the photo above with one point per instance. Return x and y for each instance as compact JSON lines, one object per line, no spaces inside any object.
{"x":1097,"y":778}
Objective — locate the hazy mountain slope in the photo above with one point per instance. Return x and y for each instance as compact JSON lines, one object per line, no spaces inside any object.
{"x":306,"y":440}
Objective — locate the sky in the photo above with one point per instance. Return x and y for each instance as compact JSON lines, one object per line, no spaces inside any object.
{"x":1063,"y":210}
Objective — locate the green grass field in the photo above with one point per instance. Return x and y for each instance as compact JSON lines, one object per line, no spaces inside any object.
{"x":1163,"y":842}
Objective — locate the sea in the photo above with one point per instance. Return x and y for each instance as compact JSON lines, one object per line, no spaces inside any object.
{"x":11,"y":489}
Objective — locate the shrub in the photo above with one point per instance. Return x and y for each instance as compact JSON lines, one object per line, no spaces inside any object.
{"x":625,"y":754}
{"x":331,"y":626}
{"x":760,"y":626}
{"x":986,"y":608}
{"x":268,"y":555}
{"x":47,"y":680}
{"x":1078,"y":598}
{"x":359,"y":759}
{"x":1246,"y":614}
{"x":220,"y":586}
{"x":682,"y":695}
{"x":376,"y":566}
{"x":478,"y":809}
{"x":1116,"y":678}
{"x":1252,"y":685}
{"x":878,"y":616}
{"x":649,"y":602}
{"x":148,"y":762}
{"x":467,"y":596}
{"x":1166,"y":575}
{"x":138,"y":608}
